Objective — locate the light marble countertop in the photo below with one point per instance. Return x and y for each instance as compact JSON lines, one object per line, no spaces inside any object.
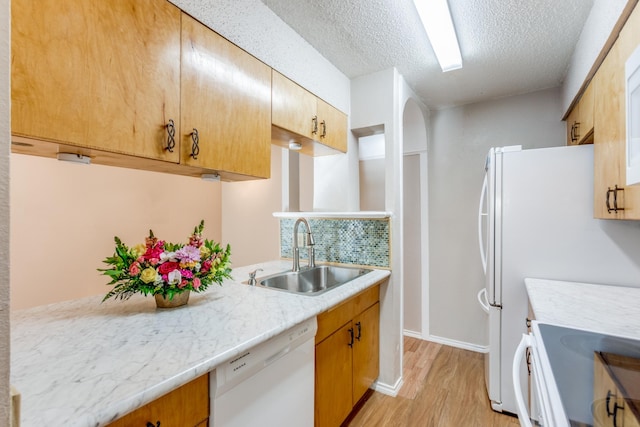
{"x":86,"y":363}
{"x":612,"y":310}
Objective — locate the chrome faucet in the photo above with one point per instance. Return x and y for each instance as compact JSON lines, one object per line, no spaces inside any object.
{"x":296,"y":250}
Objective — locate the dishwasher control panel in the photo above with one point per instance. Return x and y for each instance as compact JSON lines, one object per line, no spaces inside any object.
{"x":256,"y":358}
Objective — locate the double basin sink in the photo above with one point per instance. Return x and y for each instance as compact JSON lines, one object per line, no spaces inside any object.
{"x":314,"y":280}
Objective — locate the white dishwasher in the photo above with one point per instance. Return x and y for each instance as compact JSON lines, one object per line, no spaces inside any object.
{"x":271,"y":384}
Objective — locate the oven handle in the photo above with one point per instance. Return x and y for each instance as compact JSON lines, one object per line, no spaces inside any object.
{"x":523,"y":415}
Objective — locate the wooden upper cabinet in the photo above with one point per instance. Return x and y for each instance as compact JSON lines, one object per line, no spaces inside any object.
{"x":96,"y":74}
{"x":298,"y":115}
{"x":580,"y":119}
{"x":226,"y":99}
{"x":613,"y":199}
{"x":293,"y":108}
{"x":332,"y":128}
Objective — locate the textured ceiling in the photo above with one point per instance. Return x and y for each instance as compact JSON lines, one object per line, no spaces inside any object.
{"x":508,"y":46}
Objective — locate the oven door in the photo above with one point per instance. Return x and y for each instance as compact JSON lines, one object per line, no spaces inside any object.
{"x":539,"y":411}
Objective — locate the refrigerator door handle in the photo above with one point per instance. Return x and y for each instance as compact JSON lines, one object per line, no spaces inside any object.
{"x":481,"y":215}
{"x":482,"y":299}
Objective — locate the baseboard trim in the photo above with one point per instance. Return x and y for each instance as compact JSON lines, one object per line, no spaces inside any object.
{"x":412,"y":334}
{"x":389,"y":390}
{"x":459,"y":344}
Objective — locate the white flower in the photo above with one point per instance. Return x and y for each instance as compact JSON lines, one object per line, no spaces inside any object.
{"x":167,"y":256}
{"x":174,"y":277}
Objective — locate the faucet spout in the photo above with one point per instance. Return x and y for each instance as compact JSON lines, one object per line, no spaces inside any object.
{"x":296,"y":249}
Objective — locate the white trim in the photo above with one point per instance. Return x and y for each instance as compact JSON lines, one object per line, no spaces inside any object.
{"x":412,"y":334}
{"x":389,"y":390}
{"x":424,"y":238}
{"x":459,"y":344}
{"x":362,"y":215}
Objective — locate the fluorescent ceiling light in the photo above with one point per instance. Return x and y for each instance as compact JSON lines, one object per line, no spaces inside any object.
{"x":436,"y":18}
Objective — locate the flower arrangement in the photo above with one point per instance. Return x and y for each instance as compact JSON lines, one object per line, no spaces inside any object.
{"x":159,"y":267}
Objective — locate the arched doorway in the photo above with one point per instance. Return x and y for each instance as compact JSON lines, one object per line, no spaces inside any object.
{"x":415,"y":223}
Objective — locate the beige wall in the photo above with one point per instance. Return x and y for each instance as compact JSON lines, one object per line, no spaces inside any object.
{"x":64,"y":217}
{"x":248,"y":223}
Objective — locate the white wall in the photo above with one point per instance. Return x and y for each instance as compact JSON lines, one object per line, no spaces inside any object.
{"x":5,"y":126}
{"x":597,"y":28}
{"x":458,"y":144}
{"x":378,"y":102}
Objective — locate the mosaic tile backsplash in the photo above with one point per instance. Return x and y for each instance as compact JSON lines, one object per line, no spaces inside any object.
{"x":343,"y":241}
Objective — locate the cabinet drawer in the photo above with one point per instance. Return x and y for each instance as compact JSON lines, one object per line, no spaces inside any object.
{"x":335,"y":317}
{"x":185,"y":406}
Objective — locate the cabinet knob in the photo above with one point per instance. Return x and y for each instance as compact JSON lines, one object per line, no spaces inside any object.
{"x":314,"y":125}
{"x":171,"y":134}
{"x":351,"y":337}
{"x":323,"y":124}
{"x":359,"y":326}
{"x":195,"y":140}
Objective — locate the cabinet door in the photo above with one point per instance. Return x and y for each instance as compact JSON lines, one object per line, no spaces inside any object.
{"x":604,"y":393}
{"x":96,"y":74}
{"x":609,"y":134}
{"x":586,"y":112}
{"x":293,"y":108}
{"x":186,"y":406}
{"x":334,"y":378}
{"x":226,"y":98}
{"x":366,"y":364}
{"x":332,"y":127}
{"x":573,"y":127}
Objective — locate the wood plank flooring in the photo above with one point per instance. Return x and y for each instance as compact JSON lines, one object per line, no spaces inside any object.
{"x":443,"y":387}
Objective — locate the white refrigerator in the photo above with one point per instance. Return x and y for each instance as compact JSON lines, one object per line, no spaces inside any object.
{"x":536,"y":220}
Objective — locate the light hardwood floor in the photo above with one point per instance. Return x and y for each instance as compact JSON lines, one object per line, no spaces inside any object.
{"x":444,"y":387}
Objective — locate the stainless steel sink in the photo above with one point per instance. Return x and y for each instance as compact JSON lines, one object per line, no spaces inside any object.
{"x":313,"y":281}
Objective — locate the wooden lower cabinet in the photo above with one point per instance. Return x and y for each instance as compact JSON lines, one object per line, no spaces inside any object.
{"x":347,"y":356}
{"x":334,"y":359}
{"x":615,"y":391}
{"x":184,"y":407}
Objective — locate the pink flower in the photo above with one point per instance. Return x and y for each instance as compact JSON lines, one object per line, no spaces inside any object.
{"x":196,"y":283}
{"x":187,"y":274}
{"x":206,"y":266}
{"x":183,"y":283}
{"x":134,"y":269}
{"x":188,"y":254}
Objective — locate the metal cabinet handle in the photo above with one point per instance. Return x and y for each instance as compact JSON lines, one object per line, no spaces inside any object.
{"x":613,"y":191}
{"x":323,"y":124}
{"x":607,"y":401}
{"x":314,"y":125}
{"x":351,"y":335}
{"x":574,"y":131}
{"x":359,"y":326}
{"x":195,"y":140}
{"x":171,"y":136}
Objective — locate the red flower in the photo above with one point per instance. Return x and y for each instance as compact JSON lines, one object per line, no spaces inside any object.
{"x":168,"y":267}
{"x":206,"y":266}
